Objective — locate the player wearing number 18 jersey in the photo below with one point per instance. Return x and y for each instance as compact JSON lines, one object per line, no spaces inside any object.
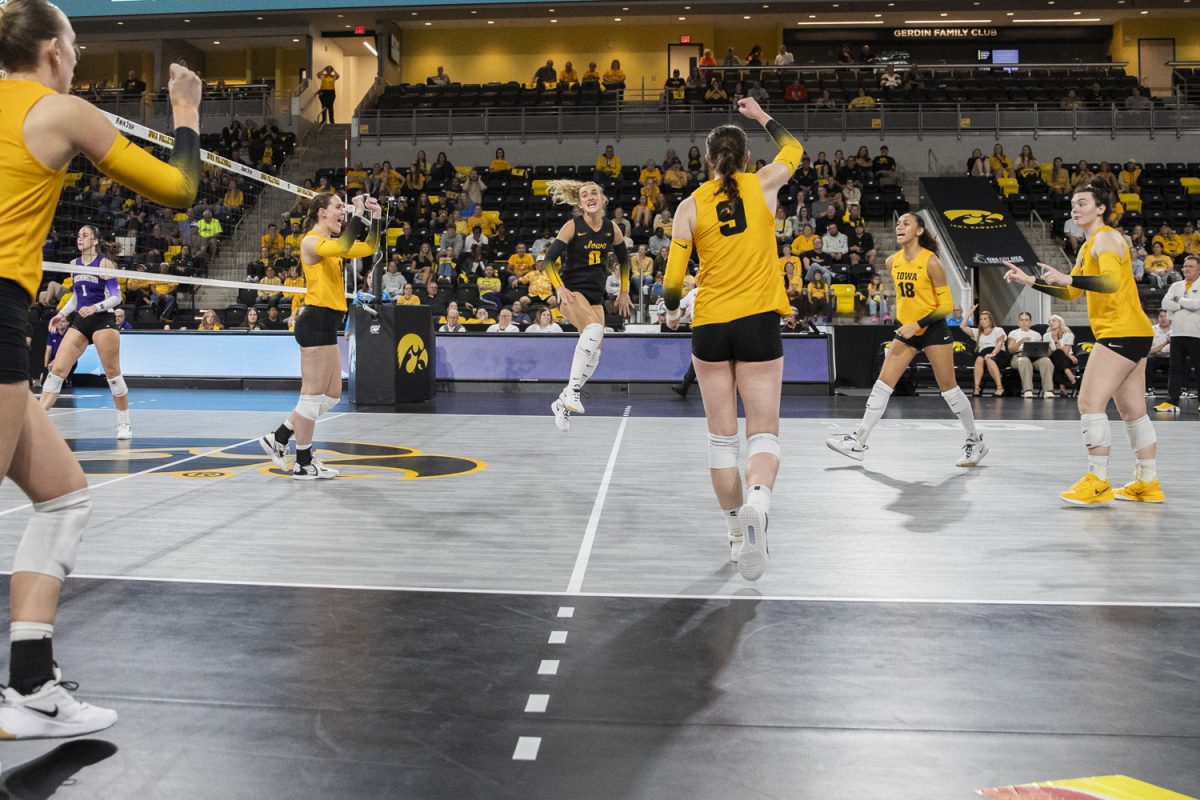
{"x":923,"y":302}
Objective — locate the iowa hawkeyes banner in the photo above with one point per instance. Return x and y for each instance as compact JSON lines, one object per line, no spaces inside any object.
{"x":392,"y":355}
{"x":981,"y":229}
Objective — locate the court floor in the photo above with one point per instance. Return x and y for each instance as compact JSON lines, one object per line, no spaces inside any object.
{"x":483,"y":607}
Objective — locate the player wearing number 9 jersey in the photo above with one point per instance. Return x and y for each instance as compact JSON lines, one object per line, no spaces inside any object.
{"x":736,"y":345}
{"x":923,"y":302}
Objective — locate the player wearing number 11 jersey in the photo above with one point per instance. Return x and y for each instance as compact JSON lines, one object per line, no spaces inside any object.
{"x":923,"y":302}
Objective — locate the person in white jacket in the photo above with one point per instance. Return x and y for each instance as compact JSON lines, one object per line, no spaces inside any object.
{"x":1183,"y":301}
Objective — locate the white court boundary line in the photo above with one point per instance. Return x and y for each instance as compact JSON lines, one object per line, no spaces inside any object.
{"x":149,"y":470}
{"x":589,"y":535}
{"x":919,"y":601}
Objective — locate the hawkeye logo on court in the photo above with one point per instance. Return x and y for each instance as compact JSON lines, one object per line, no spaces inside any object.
{"x":973,"y":219}
{"x":224,"y":458}
{"x":411,"y":355}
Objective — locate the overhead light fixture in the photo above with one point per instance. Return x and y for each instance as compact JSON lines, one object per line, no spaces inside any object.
{"x":812,"y":16}
{"x":83,"y":47}
{"x":746,"y":16}
{"x":216,"y":42}
{"x":1058,"y":19}
{"x":347,"y":26}
{"x":946,"y":21}
{"x":683,"y":19}
{"x":427,"y":24}
{"x":878,"y":15}
{"x":845,"y":22}
{"x":120,"y":23}
{"x":371,"y":47}
{"x":295,"y":41}
{"x":491,"y":22}
{"x":341,"y":16}
{"x":616,"y":19}
{"x":260,"y":19}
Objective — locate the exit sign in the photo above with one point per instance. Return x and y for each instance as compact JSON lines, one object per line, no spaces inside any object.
{"x":359,"y":30}
{"x":685,"y":39}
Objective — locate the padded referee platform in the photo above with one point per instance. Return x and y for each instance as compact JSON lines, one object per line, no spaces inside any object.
{"x":482,"y":607}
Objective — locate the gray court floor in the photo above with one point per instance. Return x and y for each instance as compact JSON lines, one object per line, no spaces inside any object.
{"x":919,"y":625}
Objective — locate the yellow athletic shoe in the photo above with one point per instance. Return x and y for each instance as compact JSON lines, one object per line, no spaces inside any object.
{"x":1166,"y":406}
{"x":1088,"y":491}
{"x":1141,"y":492}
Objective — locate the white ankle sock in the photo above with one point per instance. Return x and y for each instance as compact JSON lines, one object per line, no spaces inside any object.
{"x":29,"y":631}
{"x":731,"y":523}
{"x":759,"y":496}
{"x":1146,"y":469}
{"x":1098,"y":465}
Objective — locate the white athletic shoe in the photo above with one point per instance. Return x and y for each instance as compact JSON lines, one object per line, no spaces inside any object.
{"x":313,"y":471}
{"x":752,"y":556}
{"x":1047,"y":395}
{"x":973,"y":452}
{"x":1027,"y":395}
{"x":275,"y":450}
{"x":735,"y":547}
{"x":50,"y":712}
{"x":570,"y":399}
{"x":848,"y":445}
{"x":124,"y":431}
{"x":562,"y":417}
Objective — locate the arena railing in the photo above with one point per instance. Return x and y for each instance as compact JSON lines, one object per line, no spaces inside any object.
{"x":1173,"y":117}
{"x":258,"y":102}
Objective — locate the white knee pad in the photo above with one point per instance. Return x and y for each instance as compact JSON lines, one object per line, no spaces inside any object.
{"x":1141,"y":433}
{"x":117,"y":386}
{"x":1096,"y":431}
{"x":722,"y":451}
{"x":52,"y":537}
{"x":52,"y":384}
{"x":309,"y":406}
{"x":763,"y":443}
{"x":327,"y":403}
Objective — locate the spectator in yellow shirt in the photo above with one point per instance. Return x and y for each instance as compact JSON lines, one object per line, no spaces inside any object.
{"x":208,"y":229}
{"x":356,"y":177}
{"x":675,"y":177}
{"x":652,"y":194}
{"x":488,"y":285}
{"x":591,"y":74}
{"x":392,"y":179}
{"x":1172,"y":243}
{"x":233,"y":199}
{"x":1060,"y":178}
{"x":614,"y":77}
{"x":520,"y":262}
{"x":294,"y":237}
{"x":295,"y":279}
{"x":863,"y":101}
{"x":608,"y":165}
{"x":539,"y":286}
{"x":209,"y":321}
{"x":568,"y":74}
{"x":649,"y":171}
{"x":407,"y":298}
{"x":1160,"y":268}
{"x":787,"y":258}
{"x":804,"y":242}
{"x":499,"y":163}
{"x":1191,"y":240}
{"x":1129,"y":178}
{"x":272,"y":240}
{"x":1000,"y":163}
{"x":270,"y":295}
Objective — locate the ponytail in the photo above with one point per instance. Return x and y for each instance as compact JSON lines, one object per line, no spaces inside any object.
{"x":727,"y":149}
{"x":925,"y":238}
{"x":567,"y":192}
{"x":320,"y":201}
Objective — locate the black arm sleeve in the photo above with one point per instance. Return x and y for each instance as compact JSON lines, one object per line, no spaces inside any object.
{"x":555,"y":250}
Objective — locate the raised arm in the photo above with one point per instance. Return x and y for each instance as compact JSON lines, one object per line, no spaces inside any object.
{"x":779,"y":171}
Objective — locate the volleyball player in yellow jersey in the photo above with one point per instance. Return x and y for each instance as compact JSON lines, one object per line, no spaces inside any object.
{"x":318,"y":321}
{"x":42,"y":128}
{"x":736,"y":344}
{"x":1116,"y":366}
{"x":923,"y":301}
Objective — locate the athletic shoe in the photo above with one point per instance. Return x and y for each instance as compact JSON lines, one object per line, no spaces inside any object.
{"x":275,"y":449}
{"x":1027,"y":395}
{"x":124,"y":431}
{"x":752,"y":557}
{"x":874,"y":319}
{"x":1088,"y":491}
{"x":1167,"y":406}
{"x":50,"y":712}
{"x":973,"y":452}
{"x":313,"y":471}
{"x":1047,"y":395}
{"x":735,"y":547}
{"x":1149,"y":393}
{"x":570,"y":399}
{"x":848,"y":445}
{"x":1141,"y":492}
{"x":562,"y":417}
{"x":680,"y":390}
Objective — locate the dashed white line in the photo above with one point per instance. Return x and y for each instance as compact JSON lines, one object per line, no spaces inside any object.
{"x":527,"y":748}
{"x":558,"y":637}
{"x":537,"y":703}
{"x":566,"y":612}
{"x":548,"y":667}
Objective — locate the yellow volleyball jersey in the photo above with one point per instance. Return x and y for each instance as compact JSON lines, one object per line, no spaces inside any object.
{"x":324,"y":280}
{"x":1116,"y":314}
{"x":28,"y":190}
{"x":739,"y":271}
{"x":915,"y":295}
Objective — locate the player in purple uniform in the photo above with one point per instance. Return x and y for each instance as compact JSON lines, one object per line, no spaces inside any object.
{"x":90,"y":309}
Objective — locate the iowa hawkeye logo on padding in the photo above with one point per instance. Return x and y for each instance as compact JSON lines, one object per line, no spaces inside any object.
{"x":411,"y":355}
{"x":199,"y":458}
{"x":973,"y":218}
